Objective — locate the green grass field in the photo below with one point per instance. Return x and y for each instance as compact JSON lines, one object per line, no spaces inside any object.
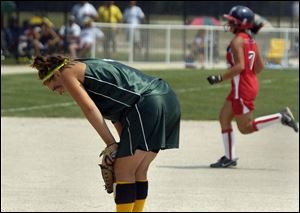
{"x":23,"y":95}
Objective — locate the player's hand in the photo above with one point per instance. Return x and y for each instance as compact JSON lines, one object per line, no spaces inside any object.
{"x":214,"y":79}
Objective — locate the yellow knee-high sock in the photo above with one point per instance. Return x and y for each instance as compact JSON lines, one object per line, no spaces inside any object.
{"x":139,"y":205}
{"x":124,"y":196}
{"x":141,"y":195}
{"x":124,"y":207}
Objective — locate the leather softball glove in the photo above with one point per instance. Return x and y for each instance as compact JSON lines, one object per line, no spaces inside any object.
{"x":106,"y":162}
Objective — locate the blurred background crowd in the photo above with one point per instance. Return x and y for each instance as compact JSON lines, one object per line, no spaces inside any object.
{"x":39,"y":33}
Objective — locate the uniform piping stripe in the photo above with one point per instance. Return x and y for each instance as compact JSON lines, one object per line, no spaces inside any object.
{"x":108,"y":97}
{"x":245,"y":108}
{"x":142,"y":127}
{"x":129,"y":134}
{"x":112,"y":85}
{"x":236,"y":81}
{"x":232,"y":58}
{"x":230,"y":145}
{"x":266,"y":120}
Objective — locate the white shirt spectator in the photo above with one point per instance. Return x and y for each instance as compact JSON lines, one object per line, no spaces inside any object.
{"x":296,"y":9}
{"x":75,"y":9}
{"x":133,"y":15}
{"x":86,"y":10}
{"x":71,"y":31}
{"x":89,"y":35}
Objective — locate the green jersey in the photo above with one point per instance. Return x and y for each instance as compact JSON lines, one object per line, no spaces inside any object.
{"x":113,"y":86}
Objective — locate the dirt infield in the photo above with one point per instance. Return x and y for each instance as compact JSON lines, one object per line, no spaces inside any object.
{"x":51,"y":165}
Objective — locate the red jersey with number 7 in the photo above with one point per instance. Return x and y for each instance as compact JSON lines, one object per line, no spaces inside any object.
{"x":244,"y":86}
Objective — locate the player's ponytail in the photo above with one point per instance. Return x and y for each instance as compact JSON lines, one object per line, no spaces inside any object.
{"x":45,"y":64}
{"x":256,"y":27}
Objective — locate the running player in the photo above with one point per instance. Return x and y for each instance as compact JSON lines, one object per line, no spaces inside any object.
{"x":144,"y":110}
{"x":246,"y":62}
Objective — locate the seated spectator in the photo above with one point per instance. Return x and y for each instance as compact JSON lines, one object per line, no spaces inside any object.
{"x":198,"y":47}
{"x":11,"y":36}
{"x":25,"y":48}
{"x":4,"y":50}
{"x":70,"y":35}
{"x":88,"y":36}
{"x":47,"y":40}
{"x":36,"y":20}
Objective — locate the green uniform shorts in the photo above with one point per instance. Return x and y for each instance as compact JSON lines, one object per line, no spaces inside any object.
{"x":152,"y":124}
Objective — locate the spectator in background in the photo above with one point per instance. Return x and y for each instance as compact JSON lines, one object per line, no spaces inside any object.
{"x":295,"y":12}
{"x":134,"y":15}
{"x":110,"y":13}
{"x":198,"y":47}
{"x":46,"y":40}
{"x":25,"y":48}
{"x":4,"y":50}
{"x":82,"y":10}
{"x":74,"y":11}
{"x":11,"y":36}
{"x":88,"y":36}
{"x":70,"y":34}
{"x":36,"y":21}
{"x":30,"y":32}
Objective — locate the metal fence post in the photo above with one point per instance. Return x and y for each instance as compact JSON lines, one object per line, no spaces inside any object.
{"x":168,"y":44}
{"x":211,"y":45}
{"x":286,"y":51}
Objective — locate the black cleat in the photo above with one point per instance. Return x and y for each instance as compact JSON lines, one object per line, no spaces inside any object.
{"x":288,"y":119}
{"x":224,"y":162}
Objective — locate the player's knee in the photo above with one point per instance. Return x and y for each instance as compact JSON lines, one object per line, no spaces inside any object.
{"x":244,"y":130}
{"x":221,"y":117}
{"x":224,"y":120}
{"x":141,"y":174}
{"x":124,"y":173}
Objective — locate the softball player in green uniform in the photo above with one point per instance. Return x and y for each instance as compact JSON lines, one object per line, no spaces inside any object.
{"x":144,"y":110}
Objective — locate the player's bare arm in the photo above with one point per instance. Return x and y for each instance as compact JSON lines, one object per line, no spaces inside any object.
{"x":118,"y":127}
{"x":88,"y":107}
{"x":259,"y":62}
{"x":238,"y":55}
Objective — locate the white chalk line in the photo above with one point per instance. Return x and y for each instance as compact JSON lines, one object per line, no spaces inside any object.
{"x":66,"y":104}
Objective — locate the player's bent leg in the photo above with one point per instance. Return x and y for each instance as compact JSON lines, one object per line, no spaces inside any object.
{"x":125,"y":186}
{"x":142,"y":182}
{"x":141,"y":195}
{"x":126,"y":167}
{"x":225,"y":117}
{"x":285,"y":117}
{"x":124,"y":194}
{"x":244,"y":123}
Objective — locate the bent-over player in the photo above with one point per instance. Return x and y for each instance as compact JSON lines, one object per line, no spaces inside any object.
{"x":144,"y":110}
